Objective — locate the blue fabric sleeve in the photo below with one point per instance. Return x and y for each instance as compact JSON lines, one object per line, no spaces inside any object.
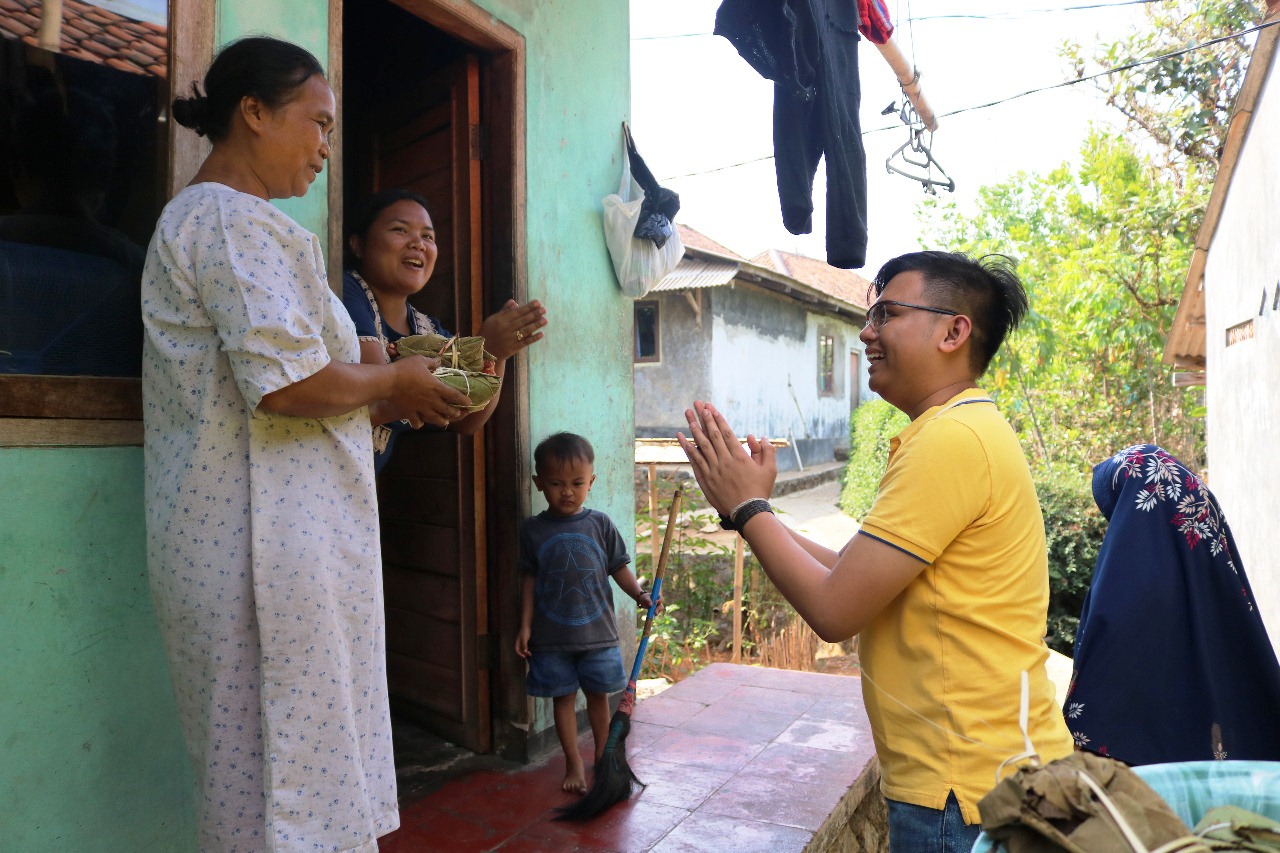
{"x":357,"y":305}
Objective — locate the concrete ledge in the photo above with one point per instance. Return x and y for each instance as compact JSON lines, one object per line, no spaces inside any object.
{"x":860,"y":822}
{"x":798,"y":481}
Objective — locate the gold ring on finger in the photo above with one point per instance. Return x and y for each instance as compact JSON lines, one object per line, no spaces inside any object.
{"x":519,"y":334}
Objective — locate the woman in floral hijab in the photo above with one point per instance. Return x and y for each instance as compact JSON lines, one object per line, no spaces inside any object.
{"x":1172,"y":661}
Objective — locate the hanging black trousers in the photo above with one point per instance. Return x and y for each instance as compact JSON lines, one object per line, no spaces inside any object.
{"x":809,"y":48}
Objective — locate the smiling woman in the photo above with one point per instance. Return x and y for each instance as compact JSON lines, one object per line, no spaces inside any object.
{"x":391,"y":254}
{"x":262,"y":528}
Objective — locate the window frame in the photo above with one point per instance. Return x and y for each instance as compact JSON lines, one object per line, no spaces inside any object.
{"x":656,"y":358}
{"x":40,"y":409}
{"x":826,"y":364}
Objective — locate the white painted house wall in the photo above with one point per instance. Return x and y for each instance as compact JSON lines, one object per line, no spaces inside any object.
{"x":1242,"y":273}
{"x":768,"y":378}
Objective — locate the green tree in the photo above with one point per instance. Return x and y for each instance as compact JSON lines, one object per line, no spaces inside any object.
{"x":1182,"y":103}
{"x":1102,"y":250}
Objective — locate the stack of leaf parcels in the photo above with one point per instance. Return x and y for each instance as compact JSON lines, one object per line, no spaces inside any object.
{"x":464,"y":364}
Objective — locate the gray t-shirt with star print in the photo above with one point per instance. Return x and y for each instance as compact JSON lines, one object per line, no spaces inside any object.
{"x":571,"y":558}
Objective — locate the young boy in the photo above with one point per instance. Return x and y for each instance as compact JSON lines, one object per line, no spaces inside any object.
{"x":567,"y":629}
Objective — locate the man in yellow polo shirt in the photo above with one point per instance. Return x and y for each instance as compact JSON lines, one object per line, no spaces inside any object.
{"x":947,"y":580}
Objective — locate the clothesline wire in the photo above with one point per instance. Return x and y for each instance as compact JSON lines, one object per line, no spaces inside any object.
{"x":1020,"y":13}
{"x":1115,"y":70}
{"x":994,"y":16}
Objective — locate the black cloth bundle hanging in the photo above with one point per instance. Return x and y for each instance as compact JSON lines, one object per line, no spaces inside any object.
{"x":809,"y":49}
{"x":660,"y":205}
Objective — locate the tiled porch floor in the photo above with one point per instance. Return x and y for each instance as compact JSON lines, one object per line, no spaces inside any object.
{"x":736,"y":758}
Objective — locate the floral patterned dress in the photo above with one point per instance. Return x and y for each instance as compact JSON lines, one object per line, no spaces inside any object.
{"x":262,"y":535}
{"x":1172,"y":660}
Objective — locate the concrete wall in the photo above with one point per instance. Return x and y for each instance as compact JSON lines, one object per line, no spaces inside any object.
{"x":765,"y":366}
{"x":664,"y":389}
{"x":1242,"y":272}
{"x":89,"y":739}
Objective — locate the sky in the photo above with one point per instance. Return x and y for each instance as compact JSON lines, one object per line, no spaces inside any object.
{"x":697,"y":107}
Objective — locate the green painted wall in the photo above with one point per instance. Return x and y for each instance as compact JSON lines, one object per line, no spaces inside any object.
{"x":578,"y":91}
{"x":90,"y":747}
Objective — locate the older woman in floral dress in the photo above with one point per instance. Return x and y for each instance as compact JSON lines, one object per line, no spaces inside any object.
{"x":262,"y":524}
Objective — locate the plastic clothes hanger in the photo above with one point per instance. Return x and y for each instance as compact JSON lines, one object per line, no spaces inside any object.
{"x":915,"y":159}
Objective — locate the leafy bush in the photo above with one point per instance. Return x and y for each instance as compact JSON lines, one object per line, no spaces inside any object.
{"x":1073,"y":528}
{"x":698,"y":581}
{"x":872,"y":425}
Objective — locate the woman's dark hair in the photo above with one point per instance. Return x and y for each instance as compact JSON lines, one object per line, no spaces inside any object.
{"x":561,"y":448}
{"x":266,"y":68}
{"x":361,"y":219}
{"x":986,"y":290}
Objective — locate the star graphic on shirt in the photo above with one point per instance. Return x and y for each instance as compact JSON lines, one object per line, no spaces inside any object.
{"x":573,"y":575}
{"x":569,"y":584}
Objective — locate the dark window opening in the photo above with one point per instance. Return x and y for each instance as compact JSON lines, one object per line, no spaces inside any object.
{"x":646,"y":332}
{"x":82,"y":171}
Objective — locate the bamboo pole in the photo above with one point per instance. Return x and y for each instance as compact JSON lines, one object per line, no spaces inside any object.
{"x":737,"y":598}
{"x":654,"y":539}
{"x":909,"y":79}
{"x":49,"y":36}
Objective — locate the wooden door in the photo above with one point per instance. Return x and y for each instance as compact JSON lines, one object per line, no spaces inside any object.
{"x":431,"y":495}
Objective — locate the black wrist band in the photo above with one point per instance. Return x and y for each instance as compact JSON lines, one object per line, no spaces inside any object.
{"x":749,"y":510}
{"x":726,"y":522}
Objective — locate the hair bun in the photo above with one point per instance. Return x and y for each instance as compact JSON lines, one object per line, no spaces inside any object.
{"x":192,"y":112}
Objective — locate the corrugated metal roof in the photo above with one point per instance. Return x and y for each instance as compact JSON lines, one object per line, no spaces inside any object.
{"x":698,"y":272}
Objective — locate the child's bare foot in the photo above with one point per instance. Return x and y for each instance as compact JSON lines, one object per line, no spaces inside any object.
{"x":575,"y":780}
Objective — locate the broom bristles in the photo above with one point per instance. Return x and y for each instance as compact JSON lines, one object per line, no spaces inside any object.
{"x":614,"y":780}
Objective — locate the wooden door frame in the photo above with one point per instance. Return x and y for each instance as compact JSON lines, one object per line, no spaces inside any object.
{"x":506,"y":446}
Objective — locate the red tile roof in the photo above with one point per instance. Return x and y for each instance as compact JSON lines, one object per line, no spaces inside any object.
{"x":693,"y":239}
{"x":844,"y":285}
{"x":93,"y":34}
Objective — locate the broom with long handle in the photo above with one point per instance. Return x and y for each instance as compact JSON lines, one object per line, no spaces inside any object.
{"x":614,"y":778}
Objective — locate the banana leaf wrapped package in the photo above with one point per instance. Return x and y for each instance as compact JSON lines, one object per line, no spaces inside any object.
{"x":465,"y":365}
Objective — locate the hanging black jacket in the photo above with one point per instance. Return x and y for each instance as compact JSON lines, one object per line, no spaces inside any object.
{"x":809,"y":49}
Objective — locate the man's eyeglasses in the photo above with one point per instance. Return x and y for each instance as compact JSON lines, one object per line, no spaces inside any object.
{"x":878,"y":314}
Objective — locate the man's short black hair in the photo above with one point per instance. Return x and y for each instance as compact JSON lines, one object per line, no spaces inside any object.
{"x":986,"y":290}
{"x":561,"y":448}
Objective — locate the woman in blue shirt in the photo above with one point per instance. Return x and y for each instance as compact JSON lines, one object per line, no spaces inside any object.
{"x":391,"y":245}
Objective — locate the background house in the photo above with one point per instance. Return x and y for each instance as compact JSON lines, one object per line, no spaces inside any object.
{"x":90,"y":746}
{"x":773,"y":341}
{"x":1226,"y":334}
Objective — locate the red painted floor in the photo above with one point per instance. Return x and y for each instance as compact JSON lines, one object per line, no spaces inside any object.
{"x":736,"y":758}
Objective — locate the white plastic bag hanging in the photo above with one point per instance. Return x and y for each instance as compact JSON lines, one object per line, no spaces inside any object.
{"x":638,"y":263}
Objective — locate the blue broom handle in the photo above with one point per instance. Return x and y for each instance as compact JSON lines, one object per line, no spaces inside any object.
{"x":648,"y":624}
{"x":656,"y":593}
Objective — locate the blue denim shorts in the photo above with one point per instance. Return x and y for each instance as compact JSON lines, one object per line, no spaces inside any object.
{"x":561,"y":673}
{"x":919,"y":829}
